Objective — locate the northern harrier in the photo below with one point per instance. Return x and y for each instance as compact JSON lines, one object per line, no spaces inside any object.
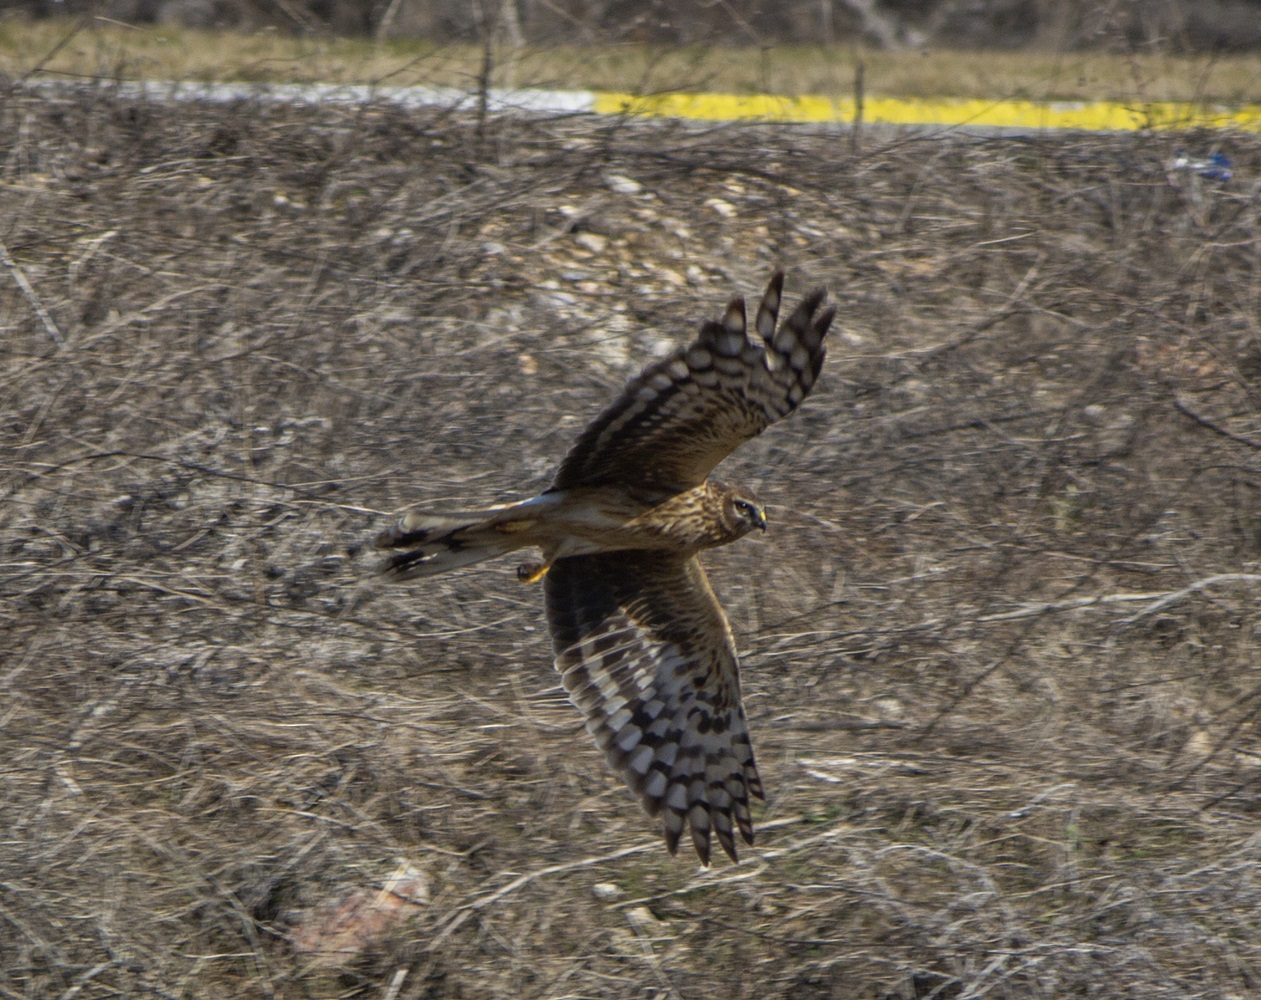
{"x":641,"y":643}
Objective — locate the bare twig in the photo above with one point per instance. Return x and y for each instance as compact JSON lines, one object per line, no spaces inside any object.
{"x":1212,"y":425}
{"x":62,"y":42}
{"x":856,"y":134}
{"x":1072,"y":604}
{"x":395,"y":984}
{"x":31,"y":296}
{"x":1173,"y":597}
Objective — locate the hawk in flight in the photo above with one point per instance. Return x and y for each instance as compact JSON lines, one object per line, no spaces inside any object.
{"x":641,"y":643}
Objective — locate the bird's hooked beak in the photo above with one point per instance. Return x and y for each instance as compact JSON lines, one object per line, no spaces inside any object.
{"x":761,"y":520}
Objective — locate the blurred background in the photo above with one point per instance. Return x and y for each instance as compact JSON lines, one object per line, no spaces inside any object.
{"x":1184,"y":25}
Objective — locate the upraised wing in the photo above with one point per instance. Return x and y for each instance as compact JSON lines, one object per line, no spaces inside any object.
{"x":684,"y":414}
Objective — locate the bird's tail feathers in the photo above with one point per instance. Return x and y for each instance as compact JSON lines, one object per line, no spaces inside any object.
{"x":427,"y":543}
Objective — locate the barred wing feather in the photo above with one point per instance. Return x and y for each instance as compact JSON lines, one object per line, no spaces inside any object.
{"x":681,"y":416}
{"x":646,"y":653}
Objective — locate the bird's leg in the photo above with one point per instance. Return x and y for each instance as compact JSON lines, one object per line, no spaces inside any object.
{"x":532,"y":572}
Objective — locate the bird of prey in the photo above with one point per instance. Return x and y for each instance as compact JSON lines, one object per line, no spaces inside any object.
{"x":642,"y":646}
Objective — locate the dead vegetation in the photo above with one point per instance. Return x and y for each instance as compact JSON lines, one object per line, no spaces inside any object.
{"x":999,"y":646}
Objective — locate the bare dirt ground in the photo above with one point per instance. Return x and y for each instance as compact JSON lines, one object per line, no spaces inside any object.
{"x":999,"y":646}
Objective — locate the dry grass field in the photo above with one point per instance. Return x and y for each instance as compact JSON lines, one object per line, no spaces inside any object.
{"x":1000,"y":645}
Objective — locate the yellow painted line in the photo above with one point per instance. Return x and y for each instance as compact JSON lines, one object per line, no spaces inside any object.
{"x":1091,"y":116}
{"x":1102,"y":116}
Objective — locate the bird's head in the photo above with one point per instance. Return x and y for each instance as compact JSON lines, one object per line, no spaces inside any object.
{"x":742,"y":512}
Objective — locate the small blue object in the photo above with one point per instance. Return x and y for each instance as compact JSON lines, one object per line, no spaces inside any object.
{"x":1216,"y":168}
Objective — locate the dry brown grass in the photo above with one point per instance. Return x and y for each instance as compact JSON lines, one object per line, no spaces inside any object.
{"x":999,"y":647}
{"x":90,"y":49}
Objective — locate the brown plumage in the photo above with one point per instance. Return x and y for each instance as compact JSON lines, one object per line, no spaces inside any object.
{"x":641,"y":643}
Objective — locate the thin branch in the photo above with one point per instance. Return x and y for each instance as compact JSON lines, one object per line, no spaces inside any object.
{"x":1074,"y":604}
{"x":1194,"y":588}
{"x":1212,"y":425}
{"x":44,"y":60}
{"x":31,"y":296}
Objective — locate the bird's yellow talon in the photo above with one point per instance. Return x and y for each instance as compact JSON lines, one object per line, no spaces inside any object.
{"x":532,"y":572}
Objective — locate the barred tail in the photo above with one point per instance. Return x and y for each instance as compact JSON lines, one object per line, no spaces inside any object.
{"x":426,"y":544}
